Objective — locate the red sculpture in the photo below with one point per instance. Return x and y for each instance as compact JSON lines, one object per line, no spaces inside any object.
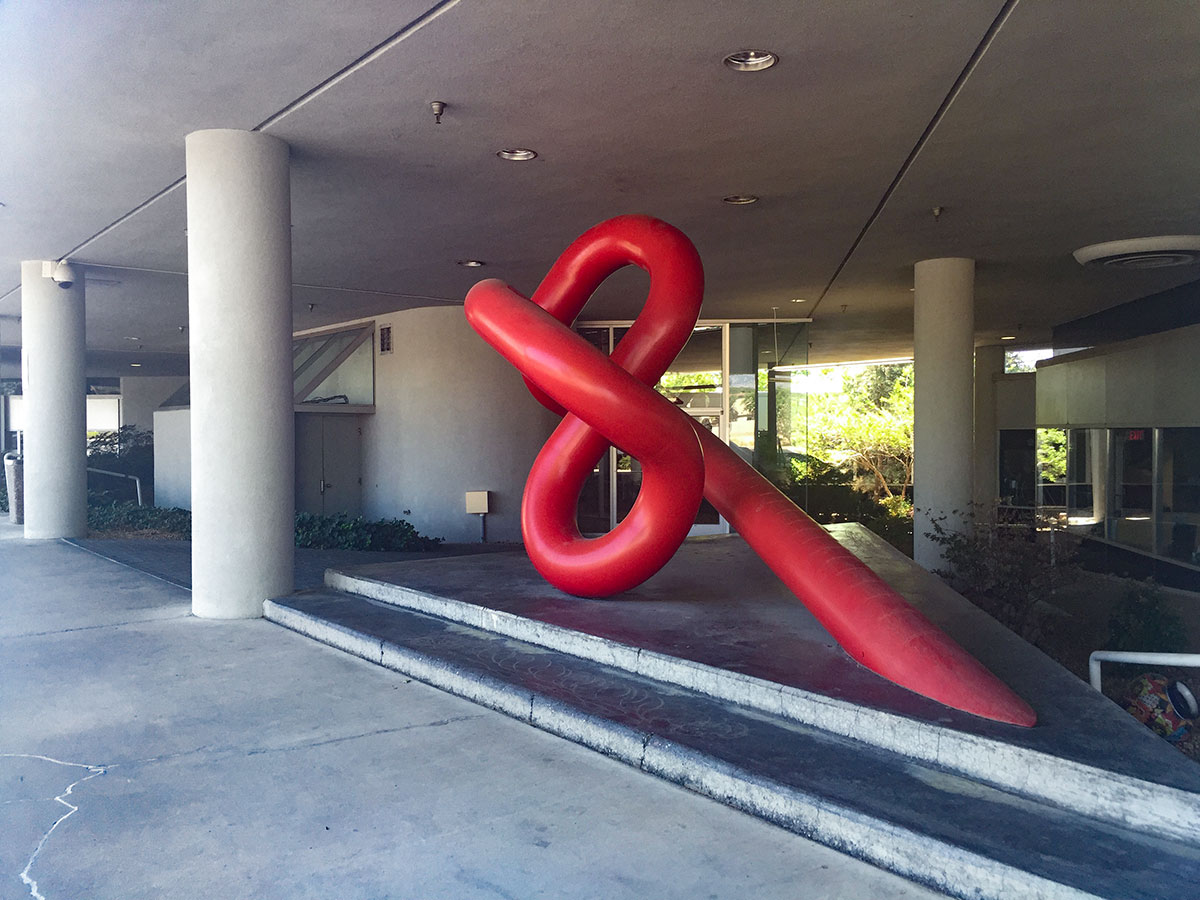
{"x":610,"y":400}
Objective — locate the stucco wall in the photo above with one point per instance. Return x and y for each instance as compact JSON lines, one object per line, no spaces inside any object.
{"x":1149,"y":381}
{"x":451,"y":416}
{"x":1016,"y":398}
{"x":141,"y":395}
{"x":173,"y":458}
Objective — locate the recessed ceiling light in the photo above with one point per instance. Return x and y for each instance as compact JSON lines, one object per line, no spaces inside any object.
{"x":1008,"y":337}
{"x":135,"y":365}
{"x":740,"y":199}
{"x":132,"y":338}
{"x":799,"y":300}
{"x":471,"y":263}
{"x":751,"y":60}
{"x":518,"y":154}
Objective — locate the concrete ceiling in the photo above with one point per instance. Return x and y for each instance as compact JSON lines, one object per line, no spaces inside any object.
{"x":1036,"y":127}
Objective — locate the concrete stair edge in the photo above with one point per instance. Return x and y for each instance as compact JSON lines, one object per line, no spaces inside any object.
{"x":922,"y":858}
{"x":1077,"y":787}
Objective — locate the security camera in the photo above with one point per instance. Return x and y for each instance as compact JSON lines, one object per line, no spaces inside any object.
{"x":63,"y":275}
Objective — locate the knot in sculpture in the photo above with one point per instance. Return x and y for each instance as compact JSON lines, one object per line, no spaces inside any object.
{"x":611,"y":400}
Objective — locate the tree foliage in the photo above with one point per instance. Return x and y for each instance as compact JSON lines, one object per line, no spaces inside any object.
{"x":867,"y":428}
{"x":1052,"y":455}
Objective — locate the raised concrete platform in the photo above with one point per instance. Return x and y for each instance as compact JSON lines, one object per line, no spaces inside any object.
{"x":713,"y":676}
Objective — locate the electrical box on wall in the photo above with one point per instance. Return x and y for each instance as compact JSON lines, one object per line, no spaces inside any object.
{"x":385,"y":339}
{"x":477,"y":502}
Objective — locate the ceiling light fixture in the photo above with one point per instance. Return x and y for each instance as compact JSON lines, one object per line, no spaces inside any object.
{"x":517,"y":154}
{"x":471,"y":263}
{"x":751,"y":60}
{"x":1008,"y":337}
{"x":1143,"y":253}
{"x":132,"y":338}
{"x":135,"y":365}
{"x":799,"y":300}
{"x":740,"y":199}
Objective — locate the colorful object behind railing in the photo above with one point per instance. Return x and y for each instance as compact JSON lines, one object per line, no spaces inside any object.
{"x":610,"y":400}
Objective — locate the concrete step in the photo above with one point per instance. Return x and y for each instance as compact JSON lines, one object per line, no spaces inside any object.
{"x":1037,"y":764}
{"x":917,"y":818}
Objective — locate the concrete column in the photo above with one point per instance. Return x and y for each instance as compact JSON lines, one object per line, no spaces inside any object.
{"x":54,"y":385}
{"x":943,"y":369}
{"x":989,"y":364}
{"x":1098,"y":456}
{"x":240,"y":323}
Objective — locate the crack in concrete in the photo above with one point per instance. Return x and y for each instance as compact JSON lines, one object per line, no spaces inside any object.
{"x":150,"y":621}
{"x":94,"y":771}
{"x":225,"y":751}
{"x":354,"y":737}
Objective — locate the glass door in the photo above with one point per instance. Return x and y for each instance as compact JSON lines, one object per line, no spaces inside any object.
{"x":736,"y":380}
{"x":694,"y":384}
{"x":594,"y":513}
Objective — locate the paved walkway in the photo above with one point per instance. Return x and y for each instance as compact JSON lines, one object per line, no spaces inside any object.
{"x":236,"y":759}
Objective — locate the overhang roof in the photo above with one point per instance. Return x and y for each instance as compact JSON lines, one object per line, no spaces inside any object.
{"x":1037,"y":128}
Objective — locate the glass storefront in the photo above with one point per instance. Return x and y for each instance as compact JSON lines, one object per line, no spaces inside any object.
{"x":1138,"y":487}
{"x":733,"y":378}
{"x":1179,"y":506}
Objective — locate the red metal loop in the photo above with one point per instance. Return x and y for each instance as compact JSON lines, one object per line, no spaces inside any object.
{"x":610,"y":400}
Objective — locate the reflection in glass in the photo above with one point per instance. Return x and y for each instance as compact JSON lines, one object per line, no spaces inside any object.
{"x":336,"y":367}
{"x":1180,"y":502}
{"x":768,"y":414}
{"x":594,"y":512}
{"x":1087,"y":476}
{"x":1133,"y":480}
{"x":693,"y":383}
{"x":1052,"y":471}
{"x":1017,"y":462}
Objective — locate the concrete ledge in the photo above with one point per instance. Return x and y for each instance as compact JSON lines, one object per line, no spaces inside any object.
{"x":919,"y":856}
{"x":1097,"y":793}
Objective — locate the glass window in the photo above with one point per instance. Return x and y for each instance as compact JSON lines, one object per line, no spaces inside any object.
{"x":1133,"y":488}
{"x":595,"y":504}
{"x":1016,"y":460}
{"x":1052,"y":470}
{"x":336,"y":368}
{"x":768,"y":408}
{"x":1024,"y":360}
{"x":1087,"y":475}
{"x":693,"y":383}
{"x":1180,"y":511}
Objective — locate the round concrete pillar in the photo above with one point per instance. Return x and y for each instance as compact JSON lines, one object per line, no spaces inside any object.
{"x":54,"y":385}
{"x":989,"y":366}
{"x":943,"y":369}
{"x":240,"y":321}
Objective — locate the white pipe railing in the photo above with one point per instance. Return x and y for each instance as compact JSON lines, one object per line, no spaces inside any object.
{"x":137,"y":482}
{"x":1188,"y":660}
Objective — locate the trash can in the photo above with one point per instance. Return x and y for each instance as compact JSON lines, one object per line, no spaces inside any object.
{"x":14,"y":472}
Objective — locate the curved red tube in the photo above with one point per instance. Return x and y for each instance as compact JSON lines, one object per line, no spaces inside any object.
{"x":611,"y":401}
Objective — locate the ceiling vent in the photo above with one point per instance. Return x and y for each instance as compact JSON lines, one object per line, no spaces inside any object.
{"x":1143,"y":253}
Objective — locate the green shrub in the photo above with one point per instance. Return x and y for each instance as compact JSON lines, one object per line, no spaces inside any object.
{"x":1141,"y":621}
{"x":893,"y":522}
{"x":1007,"y":570}
{"x":125,"y":516}
{"x":342,"y":532}
{"x":127,"y":450}
{"x":825,"y":492}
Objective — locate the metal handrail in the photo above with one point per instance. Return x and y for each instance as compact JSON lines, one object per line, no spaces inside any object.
{"x":137,"y":482}
{"x":1186,"y":660}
